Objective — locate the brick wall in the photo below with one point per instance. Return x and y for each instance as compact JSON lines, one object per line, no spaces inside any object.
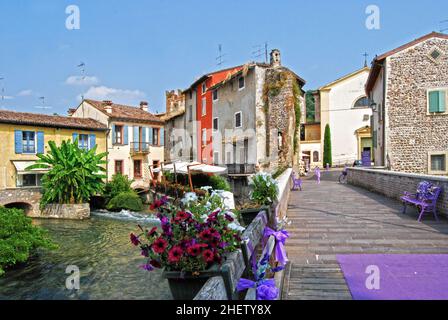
{"x":393,"y":184}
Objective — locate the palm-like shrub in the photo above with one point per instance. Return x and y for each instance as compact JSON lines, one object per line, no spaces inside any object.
{"x":117,"y":185}
{"x":125,"y":201}
{"x":264,"y":189}
{"x":75,"y":174}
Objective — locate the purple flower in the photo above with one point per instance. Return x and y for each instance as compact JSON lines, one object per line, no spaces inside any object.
{"x":147,"y":267}
{"x":266,"y":290}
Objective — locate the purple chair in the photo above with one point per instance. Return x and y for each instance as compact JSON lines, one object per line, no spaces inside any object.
{"x":425,"y":199}
{"x":296,"y":182}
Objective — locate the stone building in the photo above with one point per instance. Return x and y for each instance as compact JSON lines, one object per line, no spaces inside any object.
{"x":408,"y":89}
{"x":245,"y":118}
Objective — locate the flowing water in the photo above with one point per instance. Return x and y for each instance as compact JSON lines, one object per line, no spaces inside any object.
{"x":100,"y":248}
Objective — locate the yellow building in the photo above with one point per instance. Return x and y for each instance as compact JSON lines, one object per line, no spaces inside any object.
{"x":24,"y":135}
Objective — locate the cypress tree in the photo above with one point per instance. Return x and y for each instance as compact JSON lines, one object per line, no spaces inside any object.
{"x":328,"y":158}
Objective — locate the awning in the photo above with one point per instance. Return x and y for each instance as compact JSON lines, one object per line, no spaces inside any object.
{"x":182,"y":167}
{"x":22,"y":165}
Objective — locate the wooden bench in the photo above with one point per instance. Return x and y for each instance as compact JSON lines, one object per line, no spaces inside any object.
{"x":237,"y":265}
{"x":425,"y":199}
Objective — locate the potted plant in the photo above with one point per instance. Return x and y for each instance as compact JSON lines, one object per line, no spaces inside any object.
{"x":263,"y":195}
{"x":192,"y":242}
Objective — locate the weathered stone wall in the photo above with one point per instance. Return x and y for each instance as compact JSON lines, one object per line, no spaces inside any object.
{"x":66,"y":211}
{"x":394,"y":184}
{"x":28,"y":196}
{"x":280,"y":112}
{"x":412,"y":132}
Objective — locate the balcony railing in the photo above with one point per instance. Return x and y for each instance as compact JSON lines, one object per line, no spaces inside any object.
{"x":241,"y":168}
{"x":140,"y":147}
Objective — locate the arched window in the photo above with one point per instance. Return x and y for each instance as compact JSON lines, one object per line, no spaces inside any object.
{"x":316,"y":156}
{"x":362,"y":103}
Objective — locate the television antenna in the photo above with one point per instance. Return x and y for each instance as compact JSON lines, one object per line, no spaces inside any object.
{"x":444,"y":22}
{"x":365,"y":55}
{"x":219,"y":58}
{"x":3,"y":87}
{"x":43,"y":106}
{"x":260,"y":50}
{"x":82,"y":65}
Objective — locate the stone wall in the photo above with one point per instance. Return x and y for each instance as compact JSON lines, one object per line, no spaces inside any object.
{"x":66,"y":211}
{"x":412,"y":132}
{"x":29,"y":197}
{"x":394,"y":184}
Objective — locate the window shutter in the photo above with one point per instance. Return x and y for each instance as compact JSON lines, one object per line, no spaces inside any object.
{"x":40,"y":142}
{"x":125,"y":135}
{"x":434,"y":101}
{"x":162,"y":137}
{"x":75,"y":137}
{"x":114,"y":137}
{"x":92,"y":140}
{"x":151,"y":142}
{"x":18,"y":136}
{"x":442,"y":101}
{"x":144,"y":129}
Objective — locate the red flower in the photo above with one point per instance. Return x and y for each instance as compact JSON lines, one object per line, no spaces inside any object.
{"x":152,"y":231}
{"x":159,"y":245}
{"x":182,"y":215}
{"x":175,"y":254}
{"x":156,"y":264}
{"x":208,"y":256}
{"x":206,"y":235}
{"x":134,"y":239}
{"x":194,"y":250}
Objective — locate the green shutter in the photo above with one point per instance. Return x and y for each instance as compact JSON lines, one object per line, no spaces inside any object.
{"x":433,"y":101}
{"x":442,"y":101}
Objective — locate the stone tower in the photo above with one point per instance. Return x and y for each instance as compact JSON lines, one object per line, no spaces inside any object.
{"x":276,"y":60}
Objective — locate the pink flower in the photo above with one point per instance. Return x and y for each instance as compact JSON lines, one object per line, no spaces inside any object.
{"x":208,"y":256}
{"x":175,"y":254}
{"x":159,"y":245}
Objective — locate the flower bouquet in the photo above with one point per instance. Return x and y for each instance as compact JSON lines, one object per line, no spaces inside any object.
{"x":191,"y":243}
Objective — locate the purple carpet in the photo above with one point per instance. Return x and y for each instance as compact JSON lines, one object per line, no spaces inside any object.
{"x":401,"y":276}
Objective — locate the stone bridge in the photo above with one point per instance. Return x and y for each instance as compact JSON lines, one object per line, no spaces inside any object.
{"x":22,"y":198}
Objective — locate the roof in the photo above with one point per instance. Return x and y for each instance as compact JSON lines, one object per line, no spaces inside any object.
{"x":377,"y":63}
{"x":207,"y":75}
{"x":124,"y":112}
{"x":44,"y":120}
{"x":172,"y":115}
{"x":348,"y":76}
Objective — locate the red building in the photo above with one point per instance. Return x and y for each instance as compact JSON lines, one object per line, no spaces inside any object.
{"x":204,"y":111}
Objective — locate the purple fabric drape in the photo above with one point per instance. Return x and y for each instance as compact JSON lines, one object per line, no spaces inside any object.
{"x":280,"y":239}
{"x":266,"y":289}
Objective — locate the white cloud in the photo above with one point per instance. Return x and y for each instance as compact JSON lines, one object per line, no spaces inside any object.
{"x":82,"y":81}
{"x":113,"y":94}
{"x":25,"y":93}
{"x":6,"y":97}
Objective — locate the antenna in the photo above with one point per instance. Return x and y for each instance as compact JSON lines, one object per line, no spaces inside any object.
{"x":219,"y":59}
{"x":260,"y":50}
{"x":442,"y":29}
{"x":365,"y":55}
{"x":43,"y":106}
{"x":3,"y":88}
{"x":82,"y":65}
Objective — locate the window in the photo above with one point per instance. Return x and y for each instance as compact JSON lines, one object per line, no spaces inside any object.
{"x":238,"y":120}
{"x":29,"y":142}
{"x":119,"y":167}
{"x":155,"y":136}
{"x":215,"y":124}
{"x":190,"y":113}
{"x":315,"y":156}
{"x":137,"y":168}
{"x":362,"y":103}
{"x":204,"y":106}
{"x":435,"y":54}
{"x":279,"y":140}
{"x":190,"y":94}
{"x":29,"y":180}
{"x":215,"y":94}
{"x":204,"y":137}
{"x":241,"y":83}
{"x":83,"y":141}
{"x":437,"y":101}
{"x":118,"y":135}
{"x":438,"y":162}
{"x":216,"y":158}
{"x":204,"y":88}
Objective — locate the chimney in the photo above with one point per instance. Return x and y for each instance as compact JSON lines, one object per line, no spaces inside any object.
{"x":144,"y":106}
{"x":276,"y":60}
{"x":107,"y":106}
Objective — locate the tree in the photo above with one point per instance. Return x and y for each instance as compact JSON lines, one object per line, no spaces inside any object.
{"x":328,"y":158}
{"x":310,"y":107}
{"x":75,"y":174}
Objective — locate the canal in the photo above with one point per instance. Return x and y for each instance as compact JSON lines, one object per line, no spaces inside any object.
{"x":100,"y":248}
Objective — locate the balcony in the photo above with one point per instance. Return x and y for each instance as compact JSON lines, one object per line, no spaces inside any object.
{"x":241,"y":169}
{"x":139,"y":148}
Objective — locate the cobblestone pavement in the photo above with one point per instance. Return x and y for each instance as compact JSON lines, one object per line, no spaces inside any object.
{"x":331,"y":218}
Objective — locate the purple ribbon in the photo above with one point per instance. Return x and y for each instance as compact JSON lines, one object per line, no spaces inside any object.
{"x":266,"y":289}
{"x":280,"y":239}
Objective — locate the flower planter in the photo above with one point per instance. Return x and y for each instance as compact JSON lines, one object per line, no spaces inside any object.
{"x":185,"y":286}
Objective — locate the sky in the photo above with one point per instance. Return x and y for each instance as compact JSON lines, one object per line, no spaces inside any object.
{"x":136,"y":50}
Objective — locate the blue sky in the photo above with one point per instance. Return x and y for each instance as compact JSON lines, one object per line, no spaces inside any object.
{"x":135,"y":50}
